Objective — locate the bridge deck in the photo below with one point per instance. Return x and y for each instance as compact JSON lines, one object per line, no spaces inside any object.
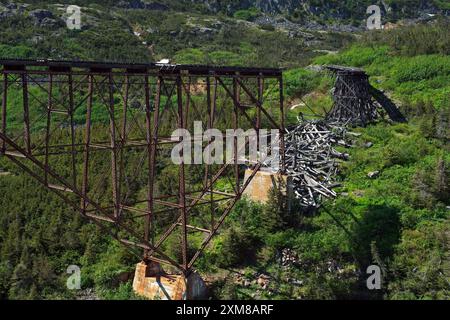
{"x":48,"y":64}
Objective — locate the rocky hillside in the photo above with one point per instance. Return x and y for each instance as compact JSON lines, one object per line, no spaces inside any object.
{"x":156,"y":31}
{"x":346,"y":9}
{"x":283,"y":33}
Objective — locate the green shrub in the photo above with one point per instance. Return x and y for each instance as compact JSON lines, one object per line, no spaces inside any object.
{"x":300,"y":81}
{"x":417,"y":265}
{"x":225,"y":58}
{"x":15,"y":52}
{"x":123,"y":292}
{"x":238,"y":248}
{"x":268,"y":27}
{"x":190,"y":56}
{"x":248,"y":15}
{"x":421,"y":68}
{"x":404,"y":152}
{"x":356,"y":56}
{"x":442,"y":4}
{"x":413,"y":40}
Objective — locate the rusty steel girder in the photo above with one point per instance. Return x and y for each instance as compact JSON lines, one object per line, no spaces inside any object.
{"x":90,"y":131}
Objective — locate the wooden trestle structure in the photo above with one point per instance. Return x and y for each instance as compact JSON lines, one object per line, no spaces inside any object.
{"x":355,"y":101}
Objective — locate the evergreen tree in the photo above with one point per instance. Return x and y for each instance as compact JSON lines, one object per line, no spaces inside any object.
{"x":274,"y":215}
{"x":441,"y":186}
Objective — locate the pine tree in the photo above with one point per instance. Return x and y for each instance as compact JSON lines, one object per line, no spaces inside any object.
{"x":442,"y":124}
{"x":273,"y":215}
{"x":441,"y":187}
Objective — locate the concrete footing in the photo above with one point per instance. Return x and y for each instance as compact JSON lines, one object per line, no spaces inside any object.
{"x":264,"y":180}
{"x":151,"y":282}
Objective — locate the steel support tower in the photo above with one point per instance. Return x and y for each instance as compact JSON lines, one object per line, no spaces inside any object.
{"x":97,"y":134}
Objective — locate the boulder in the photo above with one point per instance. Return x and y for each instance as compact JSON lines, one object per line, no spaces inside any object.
{"x":43,"y":18}
{"x":40,"y":14}
{"x":138,"y":4}
{"x":156,"y":6}
{"x":133,"y":4}
{"x":10,"y":10}
{"x":205,"y":30}
{"x":48,"y":22}
{"x":263,"y":280}
{"x":373,"y":174}
{"x":11,"y":6}
{"x":37,"y":39}
{"x":5,"y":15}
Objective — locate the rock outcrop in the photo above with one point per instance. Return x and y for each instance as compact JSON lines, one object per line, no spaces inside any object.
{"x":44,"y":18}
{"x":138,"y":4}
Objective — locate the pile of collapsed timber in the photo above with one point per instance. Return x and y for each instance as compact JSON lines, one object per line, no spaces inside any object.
{"x":312,"y":161}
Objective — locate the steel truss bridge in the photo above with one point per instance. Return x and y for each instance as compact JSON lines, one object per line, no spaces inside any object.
{"x":92,"y":131}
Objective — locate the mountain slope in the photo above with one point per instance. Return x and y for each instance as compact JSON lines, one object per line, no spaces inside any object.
{"x":266,"y":33}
